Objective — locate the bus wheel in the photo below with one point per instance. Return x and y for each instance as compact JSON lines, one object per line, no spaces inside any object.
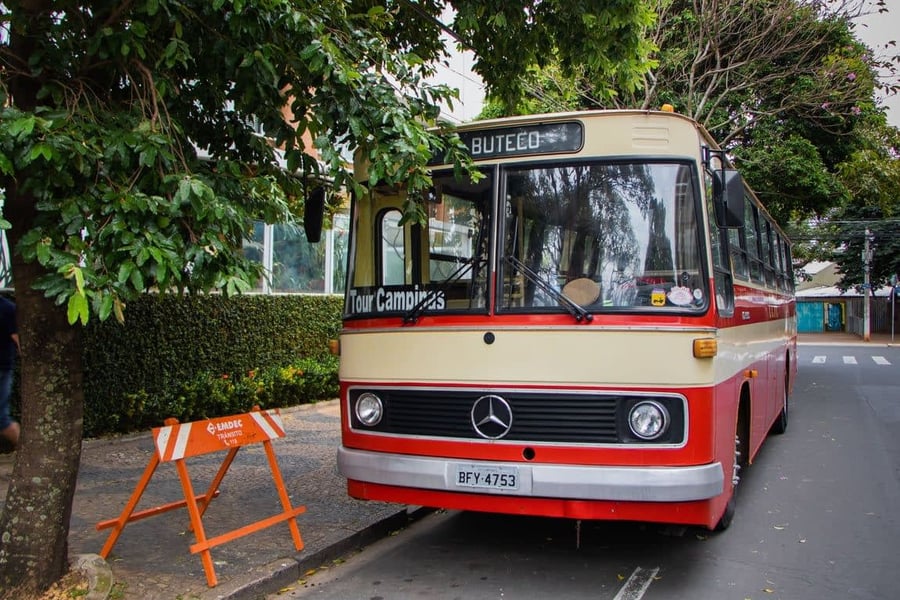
{"x":728,"y":515}
{"x":781,"y":423}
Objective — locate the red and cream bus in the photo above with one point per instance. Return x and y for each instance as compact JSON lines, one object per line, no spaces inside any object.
{"x":601,"y":326}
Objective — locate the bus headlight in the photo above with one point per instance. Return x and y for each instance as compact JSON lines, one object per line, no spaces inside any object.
{"x":369,"y":409}
{"x":648,"y":420}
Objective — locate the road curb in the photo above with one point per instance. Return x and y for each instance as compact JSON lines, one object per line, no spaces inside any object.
{"x":282,"y":573}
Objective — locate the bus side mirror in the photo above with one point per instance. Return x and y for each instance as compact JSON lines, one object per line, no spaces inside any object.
{"x":314,"y":214}
{"x":728,"y":198}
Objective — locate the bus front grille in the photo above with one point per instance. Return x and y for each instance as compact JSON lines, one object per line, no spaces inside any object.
{"x":534,"y":416}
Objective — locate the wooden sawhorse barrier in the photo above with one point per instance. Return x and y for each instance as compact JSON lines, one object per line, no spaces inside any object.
{"x":177,"y":441}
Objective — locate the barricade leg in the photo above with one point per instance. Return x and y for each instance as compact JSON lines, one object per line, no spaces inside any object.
{"x":283,"y":495}
{"x":213,"y":489}
{"x":196,"y":522}
{"x":129,"y":507}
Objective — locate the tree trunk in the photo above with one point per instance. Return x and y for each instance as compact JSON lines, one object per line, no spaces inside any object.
{"x":34,"y":525}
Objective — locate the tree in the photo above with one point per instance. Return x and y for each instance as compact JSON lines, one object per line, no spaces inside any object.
{"x":872,"y":178}
{"x":140,"y":139}
{"x":782,"y":85}
{"x":603,"y":38}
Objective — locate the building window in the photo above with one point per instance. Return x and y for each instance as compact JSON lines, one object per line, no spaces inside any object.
{"x":293,"y":264}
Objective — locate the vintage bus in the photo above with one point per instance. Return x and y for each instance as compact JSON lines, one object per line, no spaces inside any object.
{"x":600,"y":325}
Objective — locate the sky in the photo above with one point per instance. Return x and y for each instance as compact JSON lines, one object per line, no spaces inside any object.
{"x":876,"y":30}
{"x":459,"y":75}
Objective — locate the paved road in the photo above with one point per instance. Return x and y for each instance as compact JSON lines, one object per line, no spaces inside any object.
{"x":817,"y":520}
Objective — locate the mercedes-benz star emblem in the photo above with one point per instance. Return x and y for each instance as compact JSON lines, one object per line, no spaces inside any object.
{"x":491,"y":417}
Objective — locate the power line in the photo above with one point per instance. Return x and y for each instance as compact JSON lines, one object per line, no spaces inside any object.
{"x":436,"y":22}
{"x":857,"y":221}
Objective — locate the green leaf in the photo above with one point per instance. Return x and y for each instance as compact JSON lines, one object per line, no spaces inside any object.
{"x":198,"y":188}
{"x":42,"y":250}
{"x":139,"y":29}
{"x":236,"y":285}
{"x":78,"y":309}
{"x":79,"y":280}
{"x":148,"y":157}
{"x":125,"y":270}
{"x":183,"y":195}
{"x":6,"y":166}
{"x":41,"y":149}
{"x":142,"y":256}
{"x":137,"y":280}
{"x":21,"y":127}
{"x":105,"y":308}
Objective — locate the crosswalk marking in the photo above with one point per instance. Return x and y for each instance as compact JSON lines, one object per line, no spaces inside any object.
{"x":850,"y":360}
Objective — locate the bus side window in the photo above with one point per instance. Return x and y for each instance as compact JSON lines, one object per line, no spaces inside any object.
{"x":738,"y":244}
{"x":718,"y":246}
{"x":752,"y":233}
{"x":393,"y":249}
{"x":723,"y":280}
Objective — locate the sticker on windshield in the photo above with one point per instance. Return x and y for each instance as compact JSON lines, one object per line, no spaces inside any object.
{"x":680,"y":296}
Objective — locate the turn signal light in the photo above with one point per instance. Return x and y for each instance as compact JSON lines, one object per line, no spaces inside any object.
{"x":705,"y":347}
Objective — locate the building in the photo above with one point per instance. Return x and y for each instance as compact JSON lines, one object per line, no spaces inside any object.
{"x":823,"y":306}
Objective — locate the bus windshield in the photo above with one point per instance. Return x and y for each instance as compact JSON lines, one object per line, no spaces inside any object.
{"x":608,"y":236}
{"x":584,"y":237}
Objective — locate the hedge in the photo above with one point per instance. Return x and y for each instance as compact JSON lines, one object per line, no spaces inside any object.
{"x":191,"y":357}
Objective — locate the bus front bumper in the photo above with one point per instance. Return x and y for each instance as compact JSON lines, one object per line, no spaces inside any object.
{"x":578,"y":482}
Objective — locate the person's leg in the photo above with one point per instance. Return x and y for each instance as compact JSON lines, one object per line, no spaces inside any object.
{"x":9,"y":429}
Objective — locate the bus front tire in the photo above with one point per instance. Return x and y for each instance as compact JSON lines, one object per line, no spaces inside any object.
{"x":781,"y":423}
{"x":727,"y":516}
{"x":740,"y":460}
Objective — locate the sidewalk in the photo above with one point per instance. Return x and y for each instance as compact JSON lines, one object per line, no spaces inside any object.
{"x":152,"y":560}
{"x":847,"y":339}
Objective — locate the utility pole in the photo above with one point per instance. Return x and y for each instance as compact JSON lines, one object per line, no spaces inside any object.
{"x":894,"y":290}
{"x":867,"y":286}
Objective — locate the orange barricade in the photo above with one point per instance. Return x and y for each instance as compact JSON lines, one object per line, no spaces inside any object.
{"x":178,"y":441}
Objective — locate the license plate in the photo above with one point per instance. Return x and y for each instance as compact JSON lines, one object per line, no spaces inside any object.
{"x":493,"y":478}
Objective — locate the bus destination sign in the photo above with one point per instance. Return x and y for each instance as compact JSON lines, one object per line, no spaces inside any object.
{"x":526,"y":140}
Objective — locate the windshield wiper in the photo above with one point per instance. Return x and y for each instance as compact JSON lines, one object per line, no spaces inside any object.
{"x":412,"y":315}
{"x":576,"y":310}
{"x":473,"y":262}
